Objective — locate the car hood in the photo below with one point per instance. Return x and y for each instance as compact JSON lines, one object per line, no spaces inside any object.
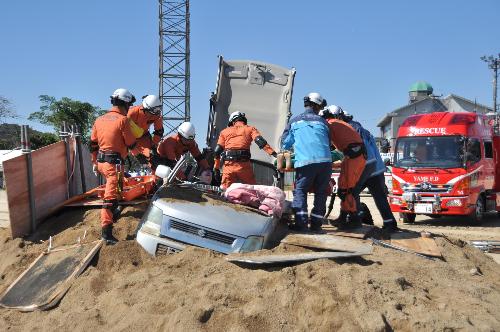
{"x":211,"y":211}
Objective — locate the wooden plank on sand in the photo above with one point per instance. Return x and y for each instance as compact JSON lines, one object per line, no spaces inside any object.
{"x":358,"y":233}
{"x":42,"y":285}
{"x":415,"y":242}
{"x":326,"y":242}
{"x":275,"y":259}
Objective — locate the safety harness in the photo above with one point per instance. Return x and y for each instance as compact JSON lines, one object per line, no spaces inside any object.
{"x":355,"y":150}
{"x":236,"y":155}
{"x":109,"y":157}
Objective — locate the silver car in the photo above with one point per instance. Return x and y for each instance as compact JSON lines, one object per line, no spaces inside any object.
{"x":194,"y":214}
{"x":187,"y":213}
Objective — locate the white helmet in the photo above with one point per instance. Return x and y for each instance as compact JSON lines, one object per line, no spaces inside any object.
{"x":333,"y":110}
{"x":315,"y":98}
{"x":236,"y":116}
{"x":186,"y":130}
{"x":121,"y":96}
{"x":151,"y":104}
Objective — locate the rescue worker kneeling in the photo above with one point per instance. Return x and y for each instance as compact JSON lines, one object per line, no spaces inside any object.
{"x":233,"y":151}
{"x":109,"y":143}
{"x":346,"y":139}
{"x":141,"y":118}
{"x":172,"y":148}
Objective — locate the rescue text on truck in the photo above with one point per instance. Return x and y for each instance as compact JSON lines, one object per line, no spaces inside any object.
{"x":446,"y":164}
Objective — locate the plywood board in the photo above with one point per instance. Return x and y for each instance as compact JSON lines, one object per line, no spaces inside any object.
{"x":326,"y":242}
{"x":357,"y":233}
{"x":49,"y":177}
{"x":416,"y":243}
{"x":275,"y":259}
{"x":16,"y":183}
{"x":91,"y":180}
{"x":48,"y":278}
{"x":49,"y":181}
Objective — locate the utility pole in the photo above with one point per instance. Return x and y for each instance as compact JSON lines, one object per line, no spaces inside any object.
{"x":493,"y":64}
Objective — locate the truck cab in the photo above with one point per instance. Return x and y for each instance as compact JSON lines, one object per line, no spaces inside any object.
{"x":445,"y":164}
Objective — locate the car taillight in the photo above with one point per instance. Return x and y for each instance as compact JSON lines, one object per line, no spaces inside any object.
{"x":396,"y":187}
{"x":463,"y":186}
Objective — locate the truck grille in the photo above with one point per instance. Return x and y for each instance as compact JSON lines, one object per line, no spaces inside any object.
{"x":204,"y":233}
{"x":427,"y":188}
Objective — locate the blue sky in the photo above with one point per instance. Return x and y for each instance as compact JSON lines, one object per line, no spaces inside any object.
{"x":362,"y":55}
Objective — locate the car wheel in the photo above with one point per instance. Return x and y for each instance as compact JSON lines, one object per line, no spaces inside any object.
{"x":408,"y":218}
{"x":478,"y":214}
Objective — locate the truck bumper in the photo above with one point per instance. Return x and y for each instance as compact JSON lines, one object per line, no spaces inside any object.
{"x":452,"y":205}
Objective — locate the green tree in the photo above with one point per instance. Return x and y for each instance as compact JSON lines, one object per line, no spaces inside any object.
{"x":40,"y":140}
{"x":54,"y":112}
{"x":6,"y":110}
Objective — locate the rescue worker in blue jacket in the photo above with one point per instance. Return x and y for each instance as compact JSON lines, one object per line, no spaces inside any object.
{"x":308,"y":134}
{"x":375,"y":181}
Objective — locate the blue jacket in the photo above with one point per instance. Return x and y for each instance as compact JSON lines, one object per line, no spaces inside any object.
{"x":309,"y":135}
{"x":371,"y":147}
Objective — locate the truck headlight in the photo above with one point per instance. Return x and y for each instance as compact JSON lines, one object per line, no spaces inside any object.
{"x":152,"y":220}
{"x":252,"y":243}
{"x":454,"y":202}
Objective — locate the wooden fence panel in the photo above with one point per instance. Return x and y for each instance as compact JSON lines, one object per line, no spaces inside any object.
{"x":49,"y":182}
{"x":49,"y":177}
{"x":16,"y":184}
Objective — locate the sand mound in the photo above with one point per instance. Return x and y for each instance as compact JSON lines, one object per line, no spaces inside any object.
{"x":126,"y":289}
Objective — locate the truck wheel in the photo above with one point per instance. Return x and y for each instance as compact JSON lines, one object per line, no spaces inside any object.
{"x":478,"y":213}
{"x":408,"y":218}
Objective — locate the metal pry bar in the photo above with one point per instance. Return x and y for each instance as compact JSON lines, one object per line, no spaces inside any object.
{"x":391,"y":246}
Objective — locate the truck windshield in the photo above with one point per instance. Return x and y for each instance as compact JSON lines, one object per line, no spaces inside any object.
{"x":433,"y":151}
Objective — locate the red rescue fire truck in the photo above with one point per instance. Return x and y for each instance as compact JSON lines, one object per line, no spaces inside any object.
{"x":446,"y":164}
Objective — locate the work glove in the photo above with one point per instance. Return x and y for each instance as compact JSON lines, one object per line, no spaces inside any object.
{"x":94,"y":169}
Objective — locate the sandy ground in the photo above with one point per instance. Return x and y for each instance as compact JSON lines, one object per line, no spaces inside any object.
{"x":124,"y":289}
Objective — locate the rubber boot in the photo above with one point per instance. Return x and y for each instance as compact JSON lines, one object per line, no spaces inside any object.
{"x":117,"y":212}
{"x":352,"y":222}
{"x":107,"y":235}
{"x":390,"y":227}
{"x":340,"y":220}
{"x":365,"y":215}
{"x":300,"y":224}
{"x":316,"y":224}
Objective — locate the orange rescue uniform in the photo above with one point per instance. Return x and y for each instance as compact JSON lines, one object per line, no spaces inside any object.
{"x":111,"y":135}
{"x":144,"y":120}
{"x":238,"y":137}
{"x":342,"y":135}
{"x":172,"y":148}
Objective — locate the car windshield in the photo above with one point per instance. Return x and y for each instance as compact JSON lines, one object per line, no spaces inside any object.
{"x":433,"y":151}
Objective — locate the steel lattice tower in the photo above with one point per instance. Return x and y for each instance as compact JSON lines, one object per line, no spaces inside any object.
{"x":174,"y":54}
